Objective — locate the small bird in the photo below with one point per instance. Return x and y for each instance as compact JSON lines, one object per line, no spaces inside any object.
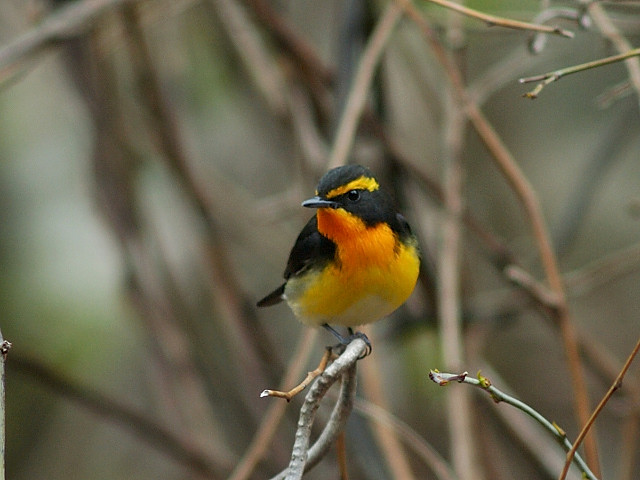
{"x":355,"y":261}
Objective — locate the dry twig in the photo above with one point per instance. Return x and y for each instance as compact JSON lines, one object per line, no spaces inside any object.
{"x":492,"y":20}
{"x":585,"y":429}
{"x":550,"y":77}
{"x":311,"y":376}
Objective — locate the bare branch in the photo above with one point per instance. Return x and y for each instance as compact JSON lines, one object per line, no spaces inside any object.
{"x":550,"y":77}
{"x":311,"y":376}
{"x":492,"y":20}
{"x":344,"y":367}
{"x":617,"y":383}
{"x":601,"y":20}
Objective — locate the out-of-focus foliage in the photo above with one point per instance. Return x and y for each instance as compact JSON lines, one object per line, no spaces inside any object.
{"x":145,"y":211}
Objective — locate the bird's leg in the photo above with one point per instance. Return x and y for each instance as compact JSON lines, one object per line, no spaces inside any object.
{"x":344,"y":341}
{"x":324,"y":361}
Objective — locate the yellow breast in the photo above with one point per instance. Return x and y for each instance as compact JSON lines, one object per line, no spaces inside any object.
{"x":374,"y":273}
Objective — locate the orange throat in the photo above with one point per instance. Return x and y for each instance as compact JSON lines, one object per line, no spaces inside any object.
{"x":358,"y":246}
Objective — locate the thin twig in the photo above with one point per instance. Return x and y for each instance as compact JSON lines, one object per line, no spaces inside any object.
{"x":311,"y":376}
{"x":585,"y":429}
{"x":492,"y":20}
{"x":359,"y":90}
{"x":341,"y":453}
{"x":529,"y":439}
{"x":550,"y":77}
{"x":484,"y":383}
{"x":601,"y":20}
{"x":526,"y":281}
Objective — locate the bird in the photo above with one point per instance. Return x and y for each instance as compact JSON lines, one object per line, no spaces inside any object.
{"x":354,"y":262}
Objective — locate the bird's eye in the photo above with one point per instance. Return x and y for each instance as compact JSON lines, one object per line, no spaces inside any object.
{"x":353,"y":195}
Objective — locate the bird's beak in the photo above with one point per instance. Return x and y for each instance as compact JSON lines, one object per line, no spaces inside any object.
{"x":317,"y":202}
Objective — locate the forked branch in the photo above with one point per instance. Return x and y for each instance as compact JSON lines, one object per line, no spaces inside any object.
{"x":343,"y":368}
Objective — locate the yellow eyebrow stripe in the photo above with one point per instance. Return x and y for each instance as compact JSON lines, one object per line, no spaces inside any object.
{"x":361,"y":183}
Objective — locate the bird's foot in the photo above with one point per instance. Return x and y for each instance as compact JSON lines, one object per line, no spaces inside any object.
{"x":344,"y":341}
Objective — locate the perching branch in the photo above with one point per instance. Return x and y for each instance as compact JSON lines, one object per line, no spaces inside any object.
{"x":484,"y":383}
{"x":304,"y":457}
{"x":550,"y":77}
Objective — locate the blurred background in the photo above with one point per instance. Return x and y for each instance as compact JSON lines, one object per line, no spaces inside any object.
{"x":153,"y":157}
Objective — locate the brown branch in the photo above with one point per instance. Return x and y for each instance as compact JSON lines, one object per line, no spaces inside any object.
{"x":311,"y":376}
{"x":536,"y":290}
{"x":585,"y":429}
{"x":531,"y":205}
{"x":341,"y":453}
{"x":550,"y":77}
{"x":492,"y":20}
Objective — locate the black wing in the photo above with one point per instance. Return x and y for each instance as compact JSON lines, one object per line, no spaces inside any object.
{"x":310,"y":250}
